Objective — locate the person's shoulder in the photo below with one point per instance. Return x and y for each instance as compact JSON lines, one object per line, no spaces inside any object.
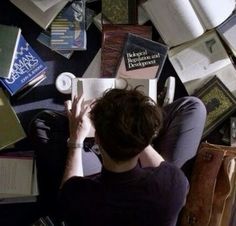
{"x":79,"y":183}
{"x":170,"y":175}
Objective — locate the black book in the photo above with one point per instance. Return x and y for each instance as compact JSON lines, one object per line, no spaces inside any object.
{"x":141,"y":58}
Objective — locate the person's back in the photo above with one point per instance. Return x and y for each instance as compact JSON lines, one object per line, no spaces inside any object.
{"x":136,"y":186}
{"x":139,"y":197}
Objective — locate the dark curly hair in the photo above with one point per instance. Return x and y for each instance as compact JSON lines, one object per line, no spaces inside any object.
{"x":125,"y":121}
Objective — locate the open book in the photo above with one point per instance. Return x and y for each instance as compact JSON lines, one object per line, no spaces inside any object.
{"x":200,"y":57}
{"x":93,"y":88}
{"x":181,"y":21}
{"x":198,"y":61}
{"x":18,"y":177}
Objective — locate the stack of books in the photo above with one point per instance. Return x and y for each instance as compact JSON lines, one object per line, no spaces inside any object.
{"x":68,"y":31}
{"x":20,"y":70}
{"x":127,"y":49}
{"x":18,"y":171}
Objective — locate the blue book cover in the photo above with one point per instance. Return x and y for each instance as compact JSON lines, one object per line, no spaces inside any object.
{"x":27,"y":67}
{"x":68,"y":31}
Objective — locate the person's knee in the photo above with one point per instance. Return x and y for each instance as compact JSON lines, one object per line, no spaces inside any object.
{"x":195,"y":104}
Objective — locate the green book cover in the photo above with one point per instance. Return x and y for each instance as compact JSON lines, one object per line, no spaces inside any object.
{"x":11,"y":129}
{"x":219,"y":101}
{"x":9,"y":38}
{"x":120,"y":11}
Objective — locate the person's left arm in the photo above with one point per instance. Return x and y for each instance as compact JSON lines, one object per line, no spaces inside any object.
{"x":79,"y":125}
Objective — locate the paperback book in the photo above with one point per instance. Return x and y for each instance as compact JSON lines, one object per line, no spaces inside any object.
{"x":141,"y":58}
{"x":68,"y":30}
{"x":28,"y":69}
{"x":9,"y":39}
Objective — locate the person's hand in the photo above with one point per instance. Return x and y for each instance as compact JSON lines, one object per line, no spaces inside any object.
{"x":79,"y":122}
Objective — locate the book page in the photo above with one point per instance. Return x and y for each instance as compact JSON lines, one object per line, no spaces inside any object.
{"x":45,"y":4}
{"x":16,"y":175}
{"x":91,"y":87}
{"x":94,"y":68}
{"x":199,"y":58}
{"x":147,"y":86}
{"x":176,"y":21}
{"x":212,"y":13}
{"x":227,"y":75}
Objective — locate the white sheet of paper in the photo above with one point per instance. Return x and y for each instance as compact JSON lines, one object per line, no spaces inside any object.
{"x":44,"y":5}
{"x":16,"y":175}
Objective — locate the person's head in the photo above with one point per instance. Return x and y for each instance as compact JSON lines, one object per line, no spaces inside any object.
{"x":125,"y":121}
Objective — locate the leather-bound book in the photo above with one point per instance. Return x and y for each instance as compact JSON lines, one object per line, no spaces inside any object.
{"x":219,"y":101}
{"x":119,"y":11}
{"x":113,"y":40}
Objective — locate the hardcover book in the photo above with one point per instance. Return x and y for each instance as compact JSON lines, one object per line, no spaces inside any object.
{"x":141,"y":58}
{"x":68,"y":31}
{"x":182,"y":21}
{"x":120,"y":11}
{"x":9,"y":39}
{"x":28,"y":69}
{"x":219,"y":101}
{"x":11,"y":129}
{"x":113,"y":39}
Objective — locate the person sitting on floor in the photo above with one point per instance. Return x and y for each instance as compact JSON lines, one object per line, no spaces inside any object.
{"x":136,"y":186}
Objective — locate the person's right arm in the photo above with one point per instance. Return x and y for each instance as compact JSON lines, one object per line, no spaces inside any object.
{"x":149,"y":157}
